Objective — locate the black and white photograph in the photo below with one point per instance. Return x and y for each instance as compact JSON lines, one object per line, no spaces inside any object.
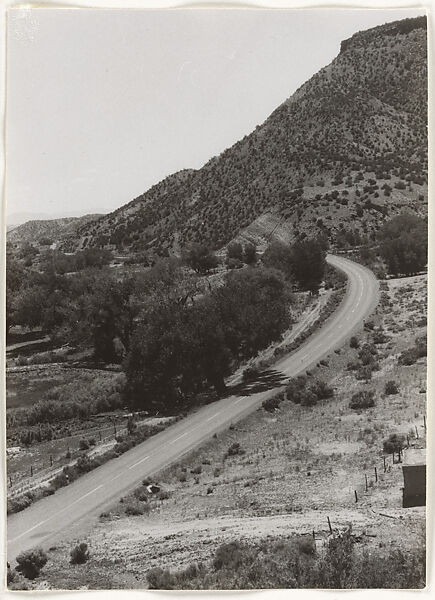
{"x":216,"y":279}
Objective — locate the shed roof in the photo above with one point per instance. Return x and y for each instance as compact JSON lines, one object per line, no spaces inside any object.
{"x":414,"y":457}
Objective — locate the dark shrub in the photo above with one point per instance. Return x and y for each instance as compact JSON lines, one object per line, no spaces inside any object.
{"x":134,"y":508}
{"x":83,"y":444}
{"x":306,"y":545}
{"x":391,"y":388}
{"x":18,"y":504}
{"x":308,"y":398}
{"x":79,"y":554}
{"x":228,"y":555}
{"x":410,"y":356}
{"x":353,"y":342}
{"x":321,"y":390}
{"x":362,"y":399}
{"x":234,"y":450}
{"x":295,"y":387}
{"x":394,"y":443}
{"x":159,"y":579}
{"x":364,"y":372}
{"x":379,"y":337}
{"x":83,"y":464}
{"x":271,"y":404}
{"x":31,"y":562}
{"x":367,"y":354}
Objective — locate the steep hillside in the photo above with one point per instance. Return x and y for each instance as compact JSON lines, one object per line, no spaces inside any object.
{"x":346,"y":150}
{"x":51,"y":229}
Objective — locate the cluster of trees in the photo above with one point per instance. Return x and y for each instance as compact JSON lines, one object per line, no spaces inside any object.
{"x":174,"y":333}
{"x":70,"y":263}
{"x":180,"y":347}
{"x":403,"y":244}
{"x":304,"y":261}
{"x":239,"y":254}
{"x":91,"y":307}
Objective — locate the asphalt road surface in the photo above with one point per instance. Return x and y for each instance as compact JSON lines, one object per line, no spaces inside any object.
{"x":72,"y":509}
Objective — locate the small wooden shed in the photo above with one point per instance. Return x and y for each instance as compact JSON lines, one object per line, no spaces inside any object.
{"x":414,"y":478}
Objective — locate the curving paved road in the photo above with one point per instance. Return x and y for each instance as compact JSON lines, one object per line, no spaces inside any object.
{"x":73,"y":509}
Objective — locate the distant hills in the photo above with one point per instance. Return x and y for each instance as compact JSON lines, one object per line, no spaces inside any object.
{"x":50,"y":229}
{"x":346,"y":151}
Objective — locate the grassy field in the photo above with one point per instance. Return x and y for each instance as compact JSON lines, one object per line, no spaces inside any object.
{"x":294,"y":468}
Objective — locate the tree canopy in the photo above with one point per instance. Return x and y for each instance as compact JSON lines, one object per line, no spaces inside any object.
{"x":304,"y":261}
{"x":179,"y":348}
{"x":403,"y":244}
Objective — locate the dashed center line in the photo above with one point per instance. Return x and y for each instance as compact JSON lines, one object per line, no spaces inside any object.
{"x":179,"y":437}
{"x":56,"y":514}
{"x":214,"y":416}
{"x":139,"y":462}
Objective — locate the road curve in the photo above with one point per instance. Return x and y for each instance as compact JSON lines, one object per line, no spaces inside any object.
{"x":73,"y":508}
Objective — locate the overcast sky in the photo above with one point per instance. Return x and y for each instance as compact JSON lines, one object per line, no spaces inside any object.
{"x":103,"y":104}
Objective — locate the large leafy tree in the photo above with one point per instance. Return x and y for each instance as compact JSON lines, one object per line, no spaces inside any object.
{"x":99,"y":310}
{"x":253,"y":308}
{"x":403,"y":244}
{"x":308,"y":263}
{"x":180,"y":348}
{"x":278,"y":256}
{"x":304,"y":261}
{"x":200,"y":258}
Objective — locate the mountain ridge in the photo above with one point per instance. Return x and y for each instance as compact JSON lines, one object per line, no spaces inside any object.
{"x":361,"y":118}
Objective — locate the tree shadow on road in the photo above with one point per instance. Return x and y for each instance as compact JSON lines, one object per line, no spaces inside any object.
{"x":264,"y":381}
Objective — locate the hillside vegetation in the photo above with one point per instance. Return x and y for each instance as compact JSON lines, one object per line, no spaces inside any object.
{"x":349,"y":147}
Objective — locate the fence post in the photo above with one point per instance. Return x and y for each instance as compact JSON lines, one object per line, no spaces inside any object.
{"x":367,"y":483}
{"x":376,"y":475}
{"x":416,"y":431}
{"x":424,"y":422}
{"x":330,"y":526}
{"x":385,"y":465}
{"x":31,"y":471}
{"x":356,"y":497}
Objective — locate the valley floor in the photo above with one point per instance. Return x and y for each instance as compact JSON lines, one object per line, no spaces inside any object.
{"x":295,"y":467}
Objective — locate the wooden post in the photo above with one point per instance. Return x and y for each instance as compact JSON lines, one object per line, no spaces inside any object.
{"x":314,"y":535}
{"x":416,"y":431}
{"x":367,"y":483}
{"x":376,"y":475}
{"x":330,"y":526}
{"x":424,"y":422}
{"x":385,"y":465}
{"x":356,"y":496}
{"x":31,"y":470}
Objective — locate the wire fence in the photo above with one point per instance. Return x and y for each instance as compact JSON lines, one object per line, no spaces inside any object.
{"x":42,"y":472}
